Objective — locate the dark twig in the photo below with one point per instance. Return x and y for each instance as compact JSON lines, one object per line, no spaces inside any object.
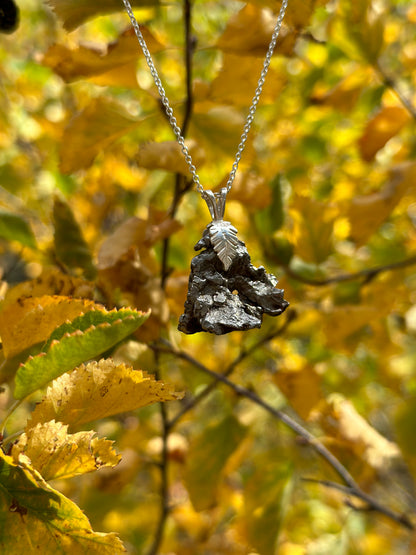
{"x":182,"y":184}
{"x":389,"y":82}
{"x":370,"y":503}
{"x":367,"y":274}
{"x":353,"y":488}
{"x":164,"y":482}
{"x":244,"y":353}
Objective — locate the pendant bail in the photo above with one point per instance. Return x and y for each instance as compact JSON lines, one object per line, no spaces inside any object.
{"x":215,"y":202}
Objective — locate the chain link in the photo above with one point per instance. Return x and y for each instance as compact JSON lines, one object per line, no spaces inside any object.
{"x":169,"y":112}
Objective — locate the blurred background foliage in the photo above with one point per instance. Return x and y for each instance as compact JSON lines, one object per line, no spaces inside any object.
{"x":324,"y":198}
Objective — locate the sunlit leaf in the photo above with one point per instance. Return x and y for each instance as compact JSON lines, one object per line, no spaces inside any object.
{"x":50,"y":282}
{"x":91,"y":131}
{"x":30,"y":320}
{"x":342,"y":421}
{"x":380,"y":129}
{"x":367,"y":212}
{"x":71,"y":344}
{"x":15,"y":228}
{"x":74,"y":13}
{"x":209,"y":452}
{"x":98,"y":390}
{"x":56,"y":454}
{"x":37,"y":517}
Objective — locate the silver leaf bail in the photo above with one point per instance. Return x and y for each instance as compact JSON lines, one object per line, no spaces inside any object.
{"x":223,"y":235}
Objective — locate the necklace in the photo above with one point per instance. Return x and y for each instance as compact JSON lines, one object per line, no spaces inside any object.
{"x":225,"y":292}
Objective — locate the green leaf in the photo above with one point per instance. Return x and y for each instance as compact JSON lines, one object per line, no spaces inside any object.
{"x":36,"y":518}
{"x":75,"y":12}
{"x":208,"y":454}
{"x":93,"y":335}
{"x":15,"y":228}
{"x":266,"y":498}
{"x":70,"y":245}
{"x":271,"y":218}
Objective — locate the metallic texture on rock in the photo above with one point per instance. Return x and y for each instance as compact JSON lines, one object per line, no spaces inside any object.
{"x":222,"y":300}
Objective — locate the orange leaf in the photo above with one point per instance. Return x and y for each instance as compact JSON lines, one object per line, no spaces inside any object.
{"x":300,"y":387}
{"x":380,"y":129}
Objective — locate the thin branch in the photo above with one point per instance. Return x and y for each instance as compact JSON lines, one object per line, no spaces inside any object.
{"x":352,"y":487}
{"x":371,"y":504}
{"x":389,"y":82}
{"x":367,"y":274}
{"x":182,"y":184}
{"x":164,"y":481}
{"x":244,"y":353}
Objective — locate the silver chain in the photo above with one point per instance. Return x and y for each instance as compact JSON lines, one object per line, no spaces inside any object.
{"x":169,"y":112}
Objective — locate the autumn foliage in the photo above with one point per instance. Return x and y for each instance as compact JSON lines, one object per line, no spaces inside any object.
{"x":118,"y":432}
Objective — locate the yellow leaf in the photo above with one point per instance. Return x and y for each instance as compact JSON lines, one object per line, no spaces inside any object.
{"x":30,"y":320}
{"x":343,"y":321}
{"x":221,"y":128}
{"x":380,"y":129}
{"x":238,"y":79}
{"x":251,"y":190}
{"x":298,"y":13}
{"x":345,"y":94}
{"x":56,"y":454}
{"x":50,"y":282}
{"x":92,"y":130}
{"x":168,"y":156}
{"x":340,"y":419}
{"x":249,"y":31}
{"x":367,"y":212}
{"x":88,"y":61}
{"x":97,"y":390}
{"x":301,"y":387}
{"x":38,"y":518}
{"x":313,"y":223}
{"x":75,"y":12}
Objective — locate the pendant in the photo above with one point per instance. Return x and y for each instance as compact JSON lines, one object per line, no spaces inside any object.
{"x":225,"y":291}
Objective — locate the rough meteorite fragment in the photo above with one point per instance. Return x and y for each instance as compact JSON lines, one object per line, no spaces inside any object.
{"x":220,"y":300}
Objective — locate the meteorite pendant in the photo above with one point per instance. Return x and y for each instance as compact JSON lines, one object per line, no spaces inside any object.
{"x":225,"y":291}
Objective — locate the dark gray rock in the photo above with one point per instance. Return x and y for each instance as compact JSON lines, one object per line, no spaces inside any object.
{"x":220,"y":301}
